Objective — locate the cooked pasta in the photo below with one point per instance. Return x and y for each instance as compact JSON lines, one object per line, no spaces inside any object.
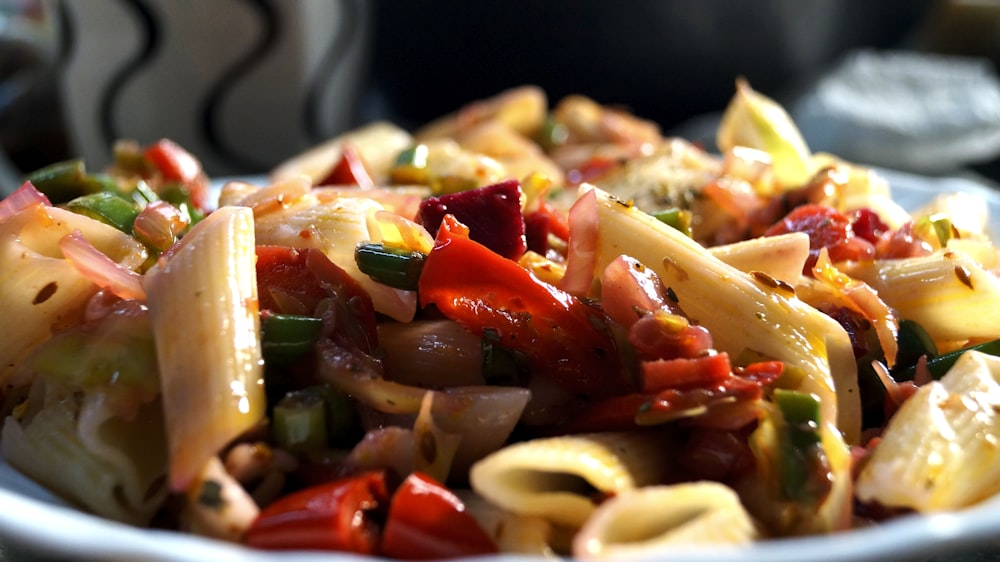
{"x":645,"y":521}
{"x":515,"y":330}
{"x":939,"y":451}
{"x":555,"y":478}
{"x":203,"y":305}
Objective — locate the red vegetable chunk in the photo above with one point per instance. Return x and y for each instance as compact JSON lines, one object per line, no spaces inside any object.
{"x":561,"y":336}
{"x":492,"y":213}
{"x":335,"y":516}
{"x":428,"y":522}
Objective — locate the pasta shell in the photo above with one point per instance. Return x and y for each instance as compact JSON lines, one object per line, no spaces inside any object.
{"x":650,"y":520}
{"x":940,"y":450}
{"x":557,"y":477}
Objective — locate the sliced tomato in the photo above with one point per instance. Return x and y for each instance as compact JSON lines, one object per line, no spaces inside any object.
{"x":428,"y":521}
{"x":339,"y":515}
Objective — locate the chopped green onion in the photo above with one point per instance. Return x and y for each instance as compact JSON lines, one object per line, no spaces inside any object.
{"x":108,"y":208}
{"x":941,"y":364}
{"x":678,"y":219}
{"x":299,"y":421}
{"x":799,"y":446}
{"x":914,"y":343}
{"x":286,"y":338}
{"x":395,"y":267}
{"x":499,"y":365}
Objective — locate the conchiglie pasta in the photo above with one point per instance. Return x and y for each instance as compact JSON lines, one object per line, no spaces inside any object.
{"x":647,"y":521}
{"x":555,"y":478}
{"x":939,"y":451}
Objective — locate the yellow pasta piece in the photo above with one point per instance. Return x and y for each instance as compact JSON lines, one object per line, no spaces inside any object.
{"x":203,"y":306}
{"x":555,"y":478}
{"x":665,"y":519}
{"x":378,"y":144}
{"x":939,"y":451}
{"x":750,"y":312}
{"x":945,"y":292}
{"x":781,"y":257}
{"x":42,"y":290}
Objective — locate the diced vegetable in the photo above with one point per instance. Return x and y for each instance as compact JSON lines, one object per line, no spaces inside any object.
{"x":492,"y":214}
{"x":396,"y":267}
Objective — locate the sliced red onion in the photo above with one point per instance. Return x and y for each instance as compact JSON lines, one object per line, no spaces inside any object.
{"x":581,"y":255}
{"x":24,"y":197}
{"x":101,"y":269}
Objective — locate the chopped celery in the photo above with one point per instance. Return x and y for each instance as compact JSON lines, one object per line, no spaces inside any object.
{"x":396,"y":267}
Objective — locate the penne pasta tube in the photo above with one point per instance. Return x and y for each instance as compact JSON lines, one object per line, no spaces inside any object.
{"x":42,"y":290}
{"x":203,"y":307}
{"x":556,"y":478}
{"x":781,"y":257}
{"x":939,"y":452}
{"x":945,"y":292}
{"x":750,"y":312}
{"x":647,"y":521}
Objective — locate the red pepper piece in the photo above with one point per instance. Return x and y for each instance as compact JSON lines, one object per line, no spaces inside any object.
{"x":560,"y":335}
{"x":349,"y":170}
{"x":679,"y":373}
{"x":492,"y":213}
{"x":427,"y":521}
{"x":334,"y":516}
{"x":827,"y":228}
{"x":176,"y":164}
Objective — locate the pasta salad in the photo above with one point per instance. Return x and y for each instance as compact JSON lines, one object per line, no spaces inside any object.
{"x":518,"y":329}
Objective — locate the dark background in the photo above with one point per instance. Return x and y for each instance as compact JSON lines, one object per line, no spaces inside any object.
{"x":667,"y":61}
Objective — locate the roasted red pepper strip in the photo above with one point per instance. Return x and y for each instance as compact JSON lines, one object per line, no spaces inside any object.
{"x":333,"y":516}
{"x":349,"y":170}
{"x":176,"y":164}
{"x":561,"y":336}
{"x":428,"y":521}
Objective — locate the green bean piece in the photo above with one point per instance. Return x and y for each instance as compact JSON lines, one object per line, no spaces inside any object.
{"x":108,"y":208}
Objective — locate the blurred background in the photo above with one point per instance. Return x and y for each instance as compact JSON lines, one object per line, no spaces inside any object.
{"x":908,"y":84}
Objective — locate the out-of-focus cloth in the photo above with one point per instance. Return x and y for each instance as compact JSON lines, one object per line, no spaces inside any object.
{"x":905,"y":110}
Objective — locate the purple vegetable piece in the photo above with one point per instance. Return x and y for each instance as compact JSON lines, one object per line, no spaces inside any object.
{"x":492,"y":213}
